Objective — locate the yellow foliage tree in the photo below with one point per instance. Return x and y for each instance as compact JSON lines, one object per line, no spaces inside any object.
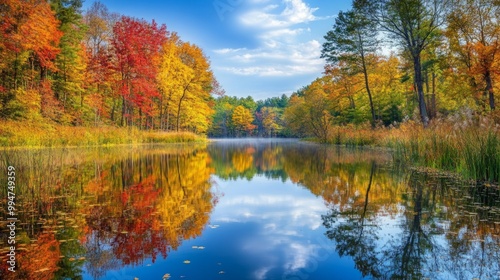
{"x":242,"y":120}
{"x":270,"y":120}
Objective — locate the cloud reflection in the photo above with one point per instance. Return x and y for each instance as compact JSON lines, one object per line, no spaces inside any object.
{"x":286,"y":224}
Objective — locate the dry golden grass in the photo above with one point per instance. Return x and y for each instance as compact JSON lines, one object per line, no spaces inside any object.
{"x":30,"y":134}
{"x":469,"y":146}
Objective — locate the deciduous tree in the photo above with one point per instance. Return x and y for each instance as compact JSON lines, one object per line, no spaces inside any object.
{"x":351,"y":41}
{"x":242,"y":120}
{"x":474,"y":34}
{"x":137,"y":45}
{"x":192,"y":85}
{"x":270,"y":120}
{"x":414,"y":24}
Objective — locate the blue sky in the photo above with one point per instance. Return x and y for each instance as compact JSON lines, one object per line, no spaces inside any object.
{"x":261,"y":48}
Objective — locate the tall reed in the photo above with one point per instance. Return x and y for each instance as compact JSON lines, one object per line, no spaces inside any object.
{"x":471,"y":149}
{"x":467,"y":145}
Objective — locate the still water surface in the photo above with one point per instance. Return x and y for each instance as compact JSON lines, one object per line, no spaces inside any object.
{"x":244,"y":209}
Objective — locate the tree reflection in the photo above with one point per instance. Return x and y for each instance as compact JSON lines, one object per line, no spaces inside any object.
{"x":414,"y":250}
{"x":431,"y":238}
{"x":170,"y":202}
{"x":106,"y":209}
{"x":38,"y":262}
{"x":137,"y":230}
{"x":355,"y":234}
{"x":303,"y":163}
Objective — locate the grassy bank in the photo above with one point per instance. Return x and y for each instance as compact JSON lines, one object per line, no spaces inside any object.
{"x":28,"y":134}
{"x":470,"y":148}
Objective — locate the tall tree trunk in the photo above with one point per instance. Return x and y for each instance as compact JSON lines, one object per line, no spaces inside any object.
{"x":420,"y":89}
{"x":352,"y":104}
{"x":489,"y":90}
{"x":425,"y":76}
{"x":122,"y":120}
{"x":167,"y":112}
{"x":140,"y":119}
{"x":433,"y":82}
{"x":179,"y":108}
{"x":161,"y":117}
{"x":113,"y":110}
{"x":367,"y":85}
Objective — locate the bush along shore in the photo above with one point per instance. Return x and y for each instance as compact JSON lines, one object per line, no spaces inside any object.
{"x":29,"y":134}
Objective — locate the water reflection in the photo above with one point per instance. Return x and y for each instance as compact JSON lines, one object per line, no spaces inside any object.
{"x":432,"y":236}
{"x":100,"y":212}
{"x":245,"y":209}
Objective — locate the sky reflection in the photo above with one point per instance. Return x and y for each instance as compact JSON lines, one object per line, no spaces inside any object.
{"x":287,"y":220}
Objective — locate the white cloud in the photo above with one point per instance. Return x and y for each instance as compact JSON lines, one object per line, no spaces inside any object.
{"x":284,"y":33}
{"x":228,"y":50}
{"x":276,"y":59}
{"x":299,"y":255}
{"x":295,"y":12}
{"x":269,"y":8}
{"x":287,"y":218}
{"x":283,"y":50}
{"x":261,"y":272}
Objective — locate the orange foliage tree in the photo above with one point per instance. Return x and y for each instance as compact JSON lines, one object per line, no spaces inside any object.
{"x":473,"y":34}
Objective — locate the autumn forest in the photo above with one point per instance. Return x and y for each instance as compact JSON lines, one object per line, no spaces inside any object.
{"x":95,"y":67}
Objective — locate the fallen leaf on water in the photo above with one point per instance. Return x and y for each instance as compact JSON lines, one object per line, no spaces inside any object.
{"x":187,"y":262}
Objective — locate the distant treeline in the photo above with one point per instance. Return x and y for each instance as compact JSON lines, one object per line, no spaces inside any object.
{"x":239,"y":117}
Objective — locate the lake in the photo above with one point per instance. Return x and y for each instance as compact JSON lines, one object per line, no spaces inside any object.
{"x":243,"y":209}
